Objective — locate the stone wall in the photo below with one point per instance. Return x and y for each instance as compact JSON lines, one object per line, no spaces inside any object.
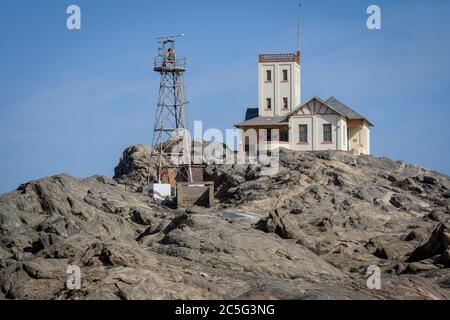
{"x":195,"y":194}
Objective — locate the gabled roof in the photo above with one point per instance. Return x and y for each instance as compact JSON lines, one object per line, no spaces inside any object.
{"x":252,"y":119}
{"x":306,"y":103}
{"x":335,"y":105}
{"x":264,"y":121}
{"x":341,"y":108}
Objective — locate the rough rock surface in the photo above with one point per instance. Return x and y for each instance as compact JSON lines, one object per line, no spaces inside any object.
{"x":132,"y":170}
{"x":308,"y":232}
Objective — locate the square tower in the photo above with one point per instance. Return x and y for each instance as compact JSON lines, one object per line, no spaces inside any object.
{"x":278,"y":83}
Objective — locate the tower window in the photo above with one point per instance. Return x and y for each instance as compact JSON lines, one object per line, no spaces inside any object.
{"x":303,"y":133}
{"x":269,"y":103}
{"x":268,"y":75}
{"x":285,"y":75}
{"x":327,"y":136}
{"x":285,"y":103}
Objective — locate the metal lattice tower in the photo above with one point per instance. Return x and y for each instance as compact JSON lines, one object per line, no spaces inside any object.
{"x":171,"y":116}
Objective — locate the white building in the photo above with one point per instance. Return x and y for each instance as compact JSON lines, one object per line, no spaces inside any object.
{"x":282,"y":121}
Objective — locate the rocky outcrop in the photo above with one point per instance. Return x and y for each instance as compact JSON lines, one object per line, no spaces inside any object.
{"x":324,"y":218}
{"x":133,"y":168}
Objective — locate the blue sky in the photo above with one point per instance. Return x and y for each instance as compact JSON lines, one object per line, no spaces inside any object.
{"x":71,"y":101}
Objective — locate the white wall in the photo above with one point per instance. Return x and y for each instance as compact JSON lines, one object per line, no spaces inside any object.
{"x":365,"y":138}
{"x":368,"y":148}
{"x":284,"y":89}
{"x":277,"y":89}
{"x":360,"y":139}
{"x":294,"y":136}
{"x":266,"y":90}
{"x":342,"y":135}
{"x":297,"y":88}
{"x":315,"y":132}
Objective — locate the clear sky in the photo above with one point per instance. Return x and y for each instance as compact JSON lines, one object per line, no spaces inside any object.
{"x":71,"y":101}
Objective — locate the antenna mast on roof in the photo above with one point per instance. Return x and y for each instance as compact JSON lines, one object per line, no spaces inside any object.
{"x":298,"y":27}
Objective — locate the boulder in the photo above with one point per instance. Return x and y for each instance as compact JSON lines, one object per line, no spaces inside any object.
{"x":436,"y":244}
{"x":133,"y":168}
{"x":427,"y":179}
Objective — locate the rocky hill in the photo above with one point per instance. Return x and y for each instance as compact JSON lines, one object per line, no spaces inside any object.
{"x":309,"y":232}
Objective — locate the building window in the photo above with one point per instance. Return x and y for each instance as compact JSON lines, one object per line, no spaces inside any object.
{"x":285,"y":103}
{"x":269,"y":135}
{"x":285,"y":75}
{"x":303,"y":133}
{"x":268,"y":75}
{"x":269,"y":103}
{"x":284,"y":136}
{"x":327,"y":136}
{"x":247,"y":144}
